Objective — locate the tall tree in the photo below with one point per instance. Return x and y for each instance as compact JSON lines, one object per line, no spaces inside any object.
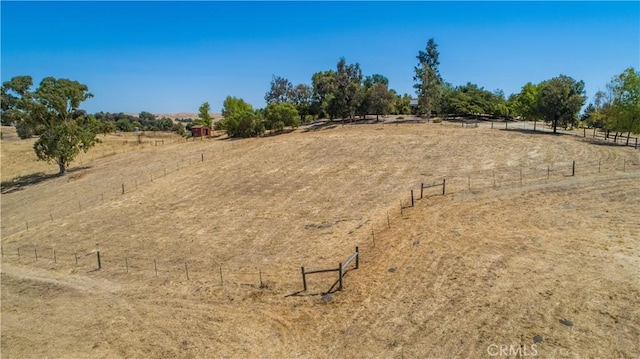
{"x":303,"y":100}
{"x":50,"y":109}
{"x":203,"y":113}
{"x":380,"y":99}
{"x":281,"y":91}
{"x":560,"y":100}
{"x":525,"y":103}
{"x":348,"y":90}
{"x":625,"y":105}
{"x":324,"y":85}
{"x":427,"y":78}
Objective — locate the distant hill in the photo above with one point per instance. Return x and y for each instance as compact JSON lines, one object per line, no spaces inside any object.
{"x":174,"y":116}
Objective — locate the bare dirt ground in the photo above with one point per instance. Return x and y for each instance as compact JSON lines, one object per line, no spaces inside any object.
{"x":519,"y":258}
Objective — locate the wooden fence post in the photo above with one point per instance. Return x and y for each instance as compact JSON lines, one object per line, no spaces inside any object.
{"x":304,"y":279}
{"x":373,"y":237}
{"x":261,"y":284}
{"x":202,"y":155}
{"x":521,"y":176}
{"x":444,"y":186}
{"x":421,"y":189}
{"x":340,"y":274}
{"x":573,"y":169}
{"x":123,"y":188}
{"x":55,"y":258}
{"x":357,"y":258}
{"x":35,"y":250}
{"x":388,"y":221}
{"x":98,"y":256}
{"x":411,"y":198}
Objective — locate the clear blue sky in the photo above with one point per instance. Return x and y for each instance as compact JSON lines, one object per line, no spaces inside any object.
{"x":167,"y":57}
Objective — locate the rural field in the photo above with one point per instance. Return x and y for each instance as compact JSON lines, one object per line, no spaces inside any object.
{"x":533,"y":251}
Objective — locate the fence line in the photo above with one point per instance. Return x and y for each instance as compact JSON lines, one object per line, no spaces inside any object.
{"x":195,"y":269}
{"x":340,"y":269}
{"x":66,"y":207}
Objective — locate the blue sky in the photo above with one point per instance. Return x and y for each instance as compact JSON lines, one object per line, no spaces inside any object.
{"x":168,"y":57}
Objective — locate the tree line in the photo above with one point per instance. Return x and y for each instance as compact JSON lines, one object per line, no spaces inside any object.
{"x":52,"y":111}
{"x":345,"y":93}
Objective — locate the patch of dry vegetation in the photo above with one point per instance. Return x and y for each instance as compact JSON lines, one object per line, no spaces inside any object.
{"x":473,"y":268}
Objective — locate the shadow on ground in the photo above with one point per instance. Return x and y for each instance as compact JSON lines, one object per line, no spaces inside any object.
{"x":22,"y":182}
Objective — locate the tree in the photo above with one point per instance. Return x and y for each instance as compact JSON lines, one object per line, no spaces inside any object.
{"x":281,"y":91}
{"x":324,"y":87}
{"x":369,"y":81}
{"x":427,"y":78}
{"x":279,"y":115}
{"x":525,"y":103}
{"x":380,"y":99}
{"x":348,"y":89}
{"x":204,"y":114}
{"x":625,"y":103}
{"x":303,"y":100}
{"x":49,"y":110}
{"x":239,"y":119}
{"x":560,"y":100}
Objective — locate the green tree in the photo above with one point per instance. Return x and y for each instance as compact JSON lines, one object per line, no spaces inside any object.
{"x":281,"y":91}
{"x":14,"y":100}
{"x":525,"y":103}
{"x":50,"y":109}
{"x":203,"y":113}
{"x":239,"y":119}
{"x":427,"y":77}
{"x":625,"y":102}
{"x":280,"y":115}
{"x":369,"y":81}
{"x":179,"y":129}
{"x":303,"y":100}
{"x":380,"y":99}
{"x":560,"y":100}
{"x":349,"y":93}
{"x":325,"y":84}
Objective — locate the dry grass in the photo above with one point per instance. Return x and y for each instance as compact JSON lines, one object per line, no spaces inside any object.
{"x":479,"y":266}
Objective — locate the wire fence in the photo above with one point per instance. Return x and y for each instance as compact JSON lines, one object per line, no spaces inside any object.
{"x":103,"y":192}
{"x":208,"y":269}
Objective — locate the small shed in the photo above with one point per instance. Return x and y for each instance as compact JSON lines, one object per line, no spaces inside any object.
{"x":200,"y":131}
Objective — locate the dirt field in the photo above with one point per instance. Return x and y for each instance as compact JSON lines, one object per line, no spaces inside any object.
{"x":519,"y":258}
